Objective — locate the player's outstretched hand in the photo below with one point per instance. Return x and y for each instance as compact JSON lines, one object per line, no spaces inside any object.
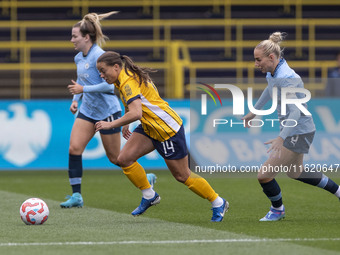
{"x":247,"y":118}
{"x":126,"y":132}
{"x":275,"y":147}
{"x":75,"y":88}
{"x":100,"y":125}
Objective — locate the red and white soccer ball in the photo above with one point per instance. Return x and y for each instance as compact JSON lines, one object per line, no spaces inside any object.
{"x":34,"y":211}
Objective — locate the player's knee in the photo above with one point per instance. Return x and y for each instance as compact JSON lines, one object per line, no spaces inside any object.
{"x":180,"y":177}
{"x":75,"y":150}
{"x":259,"y":176}
{"x":113,"y":159}
{"x":263,"y":179}
{"x":123,"y":161}
{"x":293,"y":175}
{"x":120,"y":161}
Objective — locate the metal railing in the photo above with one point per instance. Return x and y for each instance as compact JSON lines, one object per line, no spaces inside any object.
{"x":174,"y":63}
{"x":20,"y":27}
{"x":9,"y":7}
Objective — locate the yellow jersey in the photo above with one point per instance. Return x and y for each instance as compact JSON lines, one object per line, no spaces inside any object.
{"x":159,"y":121}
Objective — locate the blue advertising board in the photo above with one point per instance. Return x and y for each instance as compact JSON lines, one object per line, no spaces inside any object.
{"x":35,"y":134}
{"x":220,"y":138}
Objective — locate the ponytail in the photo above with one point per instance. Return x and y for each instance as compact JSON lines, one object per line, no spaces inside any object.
{"x":141,"y":74}
{"x":90,"y":25}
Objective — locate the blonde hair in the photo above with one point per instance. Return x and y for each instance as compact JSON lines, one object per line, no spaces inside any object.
{"x":272,"y":44}
{"x":90,"y":25}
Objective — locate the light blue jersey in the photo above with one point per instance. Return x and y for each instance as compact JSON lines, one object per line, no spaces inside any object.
{"x":285,"y":77}
{"x":96,"y":105}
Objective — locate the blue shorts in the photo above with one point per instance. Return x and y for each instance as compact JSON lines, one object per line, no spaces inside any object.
{"x":173,"y":148}
{"x":299,"y":143}
{"x":111,"y":118}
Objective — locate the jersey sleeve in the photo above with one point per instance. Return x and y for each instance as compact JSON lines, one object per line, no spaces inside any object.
{"x":77,"y":97}
{"x":264,"y":98}
{"x":103,"y":87}
{"x":130,"y":91}
{"x":294,"y":112}
{"x":294,"y":115}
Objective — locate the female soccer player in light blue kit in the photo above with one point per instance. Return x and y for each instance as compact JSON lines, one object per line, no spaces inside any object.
{"x":294,"y":138}
{"x":96,"y":104}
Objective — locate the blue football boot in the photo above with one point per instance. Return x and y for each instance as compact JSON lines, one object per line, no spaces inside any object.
{"x":218,"y":212}
{"x":76,"y":200}
{"x":274,"y":215}
{"x":145,"y":204}
{"x":151,"y":178}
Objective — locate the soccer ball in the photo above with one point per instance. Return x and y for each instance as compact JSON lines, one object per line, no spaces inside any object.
{"x":34,"y":211}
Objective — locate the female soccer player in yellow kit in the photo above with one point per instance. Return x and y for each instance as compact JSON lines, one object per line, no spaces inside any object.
{"x":161,"y":129}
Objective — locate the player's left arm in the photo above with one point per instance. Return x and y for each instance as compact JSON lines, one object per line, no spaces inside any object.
{"x":78,"y":96}
{"x":134,"y":113}
{"x":291,"y":121}
{"x":294,"y":112}
{"x":103,"y":87}
{"x":126,"y":133}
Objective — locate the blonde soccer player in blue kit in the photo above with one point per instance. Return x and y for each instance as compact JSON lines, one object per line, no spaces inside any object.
{"x":103,"y":104}
{"x":161,"y":128}
{"x":293,"y":141}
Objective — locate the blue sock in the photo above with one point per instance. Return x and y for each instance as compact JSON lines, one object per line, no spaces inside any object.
{"x":320,"y":180}
{"x":328,"y":184}
{"x":273,"y":192}
{"x":75,"y":172}
{"x":311,"y":178}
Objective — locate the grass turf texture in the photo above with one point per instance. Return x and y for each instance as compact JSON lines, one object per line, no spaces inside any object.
{"x":109,"y":198}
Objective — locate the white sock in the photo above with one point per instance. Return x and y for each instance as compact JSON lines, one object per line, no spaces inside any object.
{"x":337,"y":193}
{"x":217,"y":202}
{"x":278,"y":208}
{"x":148,"y":193}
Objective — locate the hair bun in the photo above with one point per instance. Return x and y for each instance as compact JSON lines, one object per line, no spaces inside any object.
{"x":277,"y":37}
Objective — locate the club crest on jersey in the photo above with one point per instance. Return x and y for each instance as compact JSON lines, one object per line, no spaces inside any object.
{"x":87,"y":65}
{"x":128,"y":90}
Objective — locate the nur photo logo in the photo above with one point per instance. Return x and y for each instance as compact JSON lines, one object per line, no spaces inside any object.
{"x":204,"y":97}
{"x":287,"y":96}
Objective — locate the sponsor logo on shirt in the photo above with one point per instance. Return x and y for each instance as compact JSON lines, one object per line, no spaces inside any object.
{"x":128,"y":91}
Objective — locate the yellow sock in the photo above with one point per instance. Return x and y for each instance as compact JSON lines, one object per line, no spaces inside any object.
{"x":201,"y":187}
{"x":137,"y":176}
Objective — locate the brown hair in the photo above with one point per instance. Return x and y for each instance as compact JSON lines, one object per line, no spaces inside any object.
{"x":272,"y":44}
{"x":111,"y":58}
{"x":90,"y":25}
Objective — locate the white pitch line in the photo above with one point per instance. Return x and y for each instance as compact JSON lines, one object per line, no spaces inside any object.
{"x":176,"y":241}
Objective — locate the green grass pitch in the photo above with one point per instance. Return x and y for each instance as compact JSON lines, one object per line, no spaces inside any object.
{"x":179,"y":224}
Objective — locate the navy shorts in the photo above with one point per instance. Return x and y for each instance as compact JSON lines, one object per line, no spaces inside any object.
{"x":173,"y":148}
{"x":111,"y":118}
{"x":299,"y":143}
